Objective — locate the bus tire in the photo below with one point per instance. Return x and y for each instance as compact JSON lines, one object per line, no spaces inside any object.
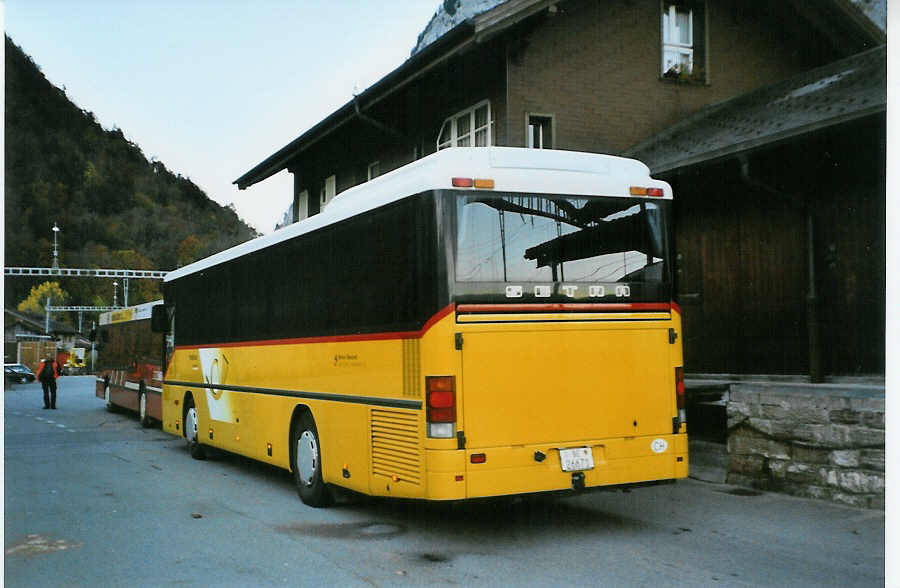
{"x":306,"y":463}
{"x":191,"y":430}
{"x":142,"y":407}
{"x":110,"y":407}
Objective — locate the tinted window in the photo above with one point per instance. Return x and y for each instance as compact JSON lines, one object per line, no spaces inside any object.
{"x":127,"y":342}
{"x":372,"y":273}
{"x":532,"y":238}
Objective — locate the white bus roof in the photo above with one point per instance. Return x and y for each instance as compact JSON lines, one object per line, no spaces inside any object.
{"x":534,"y":171}
{"x":130,"y":313}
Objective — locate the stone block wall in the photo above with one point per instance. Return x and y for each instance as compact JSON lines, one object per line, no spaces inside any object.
{"x":824,"y":441}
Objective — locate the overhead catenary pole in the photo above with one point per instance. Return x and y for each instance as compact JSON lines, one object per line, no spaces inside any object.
{"x":56,"y":231}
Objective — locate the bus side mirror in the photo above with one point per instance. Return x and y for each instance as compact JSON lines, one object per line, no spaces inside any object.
{"x":159,"y":319}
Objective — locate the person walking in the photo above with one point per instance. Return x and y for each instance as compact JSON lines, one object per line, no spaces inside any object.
{"x":47,"y":374}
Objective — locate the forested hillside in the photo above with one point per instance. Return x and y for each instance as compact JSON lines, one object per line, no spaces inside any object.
{"x":116,"y":209}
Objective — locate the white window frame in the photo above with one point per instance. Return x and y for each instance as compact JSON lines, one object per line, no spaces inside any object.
{"x":373,"y":170}
{"x":671,"y":39}
{"x":328,"y":191}
{"x":546,"y":142}
{"x":451,"y":123}
{"x":303,"y":205}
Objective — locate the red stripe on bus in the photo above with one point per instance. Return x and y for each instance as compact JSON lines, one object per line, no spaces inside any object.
{"x":336,"y":338}
{"x":564,"y":306}
{"x":676,"y":307}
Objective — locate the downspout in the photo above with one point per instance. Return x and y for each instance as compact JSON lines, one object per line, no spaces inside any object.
{"x":812,"y":307}
{"x":506,"y":113}
{"x":376,"y":123}
{"x":812,"y":301}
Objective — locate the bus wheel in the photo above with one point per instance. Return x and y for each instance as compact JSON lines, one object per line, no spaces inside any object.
{"x":307,"y":463}
{"x":142,"y":406}
{"x":191,"y":430}
{"x":109,"y":404}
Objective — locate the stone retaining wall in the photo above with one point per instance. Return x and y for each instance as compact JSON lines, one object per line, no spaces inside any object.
{"x":824,"y":441}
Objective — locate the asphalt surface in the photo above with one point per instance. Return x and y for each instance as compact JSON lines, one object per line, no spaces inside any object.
{"x":92,"y":499}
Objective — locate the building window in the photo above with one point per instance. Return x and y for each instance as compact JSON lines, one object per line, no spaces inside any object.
{"x":683,"y":40}
{"x":374,"y":170}
{"x":327,"y":191}
{"x":540,"y":131}
{"x":468,"y":128}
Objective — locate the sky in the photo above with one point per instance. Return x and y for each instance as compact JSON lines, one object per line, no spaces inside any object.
{"x":212,"y":87}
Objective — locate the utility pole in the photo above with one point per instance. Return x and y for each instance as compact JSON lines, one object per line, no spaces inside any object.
{"x":93,"y":349}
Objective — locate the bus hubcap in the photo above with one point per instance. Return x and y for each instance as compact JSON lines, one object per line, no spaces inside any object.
{"x":307,"y":457}
{"x":192,"y":424}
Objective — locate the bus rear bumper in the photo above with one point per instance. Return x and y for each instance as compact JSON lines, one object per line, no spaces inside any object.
{"x":621,"y":462}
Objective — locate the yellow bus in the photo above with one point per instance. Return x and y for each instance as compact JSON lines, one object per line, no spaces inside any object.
{"x":481,"y":322}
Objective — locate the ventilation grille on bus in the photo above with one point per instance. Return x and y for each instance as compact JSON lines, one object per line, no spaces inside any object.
{"x":411,"y":368}
{"x":395,"y":445}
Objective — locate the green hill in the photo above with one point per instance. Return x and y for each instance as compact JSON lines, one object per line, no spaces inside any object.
{"x":116,"y":208}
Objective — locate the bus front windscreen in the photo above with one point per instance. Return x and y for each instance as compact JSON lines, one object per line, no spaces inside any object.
{"x":589,"y":247}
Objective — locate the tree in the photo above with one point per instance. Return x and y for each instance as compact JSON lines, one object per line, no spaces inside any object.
{"x":189,"y":250}
{"x":37,"y":298}
{"x":116,"y":208}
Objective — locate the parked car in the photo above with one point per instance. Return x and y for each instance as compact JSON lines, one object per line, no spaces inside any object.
{"x":17,"y":373}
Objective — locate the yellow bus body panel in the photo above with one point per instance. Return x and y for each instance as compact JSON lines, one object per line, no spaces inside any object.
{"x":522,"y":387}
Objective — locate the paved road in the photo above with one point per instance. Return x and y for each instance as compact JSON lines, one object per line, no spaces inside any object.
{"x":92,"y":499}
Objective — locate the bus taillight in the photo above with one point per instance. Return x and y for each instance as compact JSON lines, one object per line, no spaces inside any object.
{"x":642,"y":191}
{"x":441,"y":406}
{"x":483,"y":183}
{"x":679,"y":394}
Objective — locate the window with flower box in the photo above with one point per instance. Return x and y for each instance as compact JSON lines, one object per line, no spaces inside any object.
{"x":683,"y":40}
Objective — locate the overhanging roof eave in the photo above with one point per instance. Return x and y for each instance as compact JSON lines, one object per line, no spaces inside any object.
{"x":834,"y":94}
{"x":752,"y":145}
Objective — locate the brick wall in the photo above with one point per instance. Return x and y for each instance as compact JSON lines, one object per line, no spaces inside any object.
{"x":820,"y":442}
{"x":596,"y":67}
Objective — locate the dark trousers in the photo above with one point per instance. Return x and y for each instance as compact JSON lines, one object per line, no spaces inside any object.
{"x":49,"y":393}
